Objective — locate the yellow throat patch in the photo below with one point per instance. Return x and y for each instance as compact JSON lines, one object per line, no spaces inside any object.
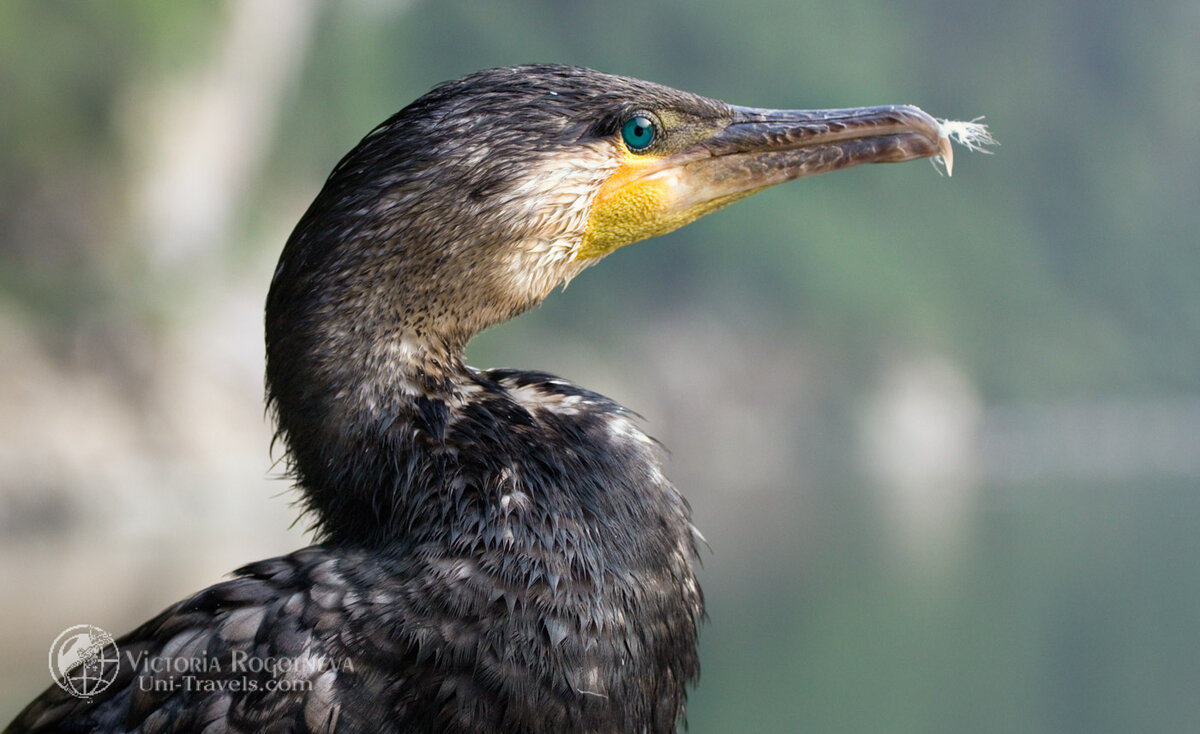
{"x":644,"y":197}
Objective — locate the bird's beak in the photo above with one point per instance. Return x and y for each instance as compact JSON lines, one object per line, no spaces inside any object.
{"x":761,"y":148}
{"x":755,"y":149}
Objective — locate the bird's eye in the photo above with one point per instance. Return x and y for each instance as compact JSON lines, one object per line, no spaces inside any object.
{"x":638,"y":132}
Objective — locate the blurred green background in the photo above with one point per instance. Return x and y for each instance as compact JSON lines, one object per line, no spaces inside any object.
{"x":942,"y":435}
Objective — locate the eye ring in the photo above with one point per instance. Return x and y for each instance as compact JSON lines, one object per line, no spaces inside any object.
{"x":639,"y":132}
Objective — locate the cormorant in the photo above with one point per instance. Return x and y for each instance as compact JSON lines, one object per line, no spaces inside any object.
{"x":499,"y":550}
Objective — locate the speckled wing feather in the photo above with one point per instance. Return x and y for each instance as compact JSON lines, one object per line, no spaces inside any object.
{"x":189,"y":668}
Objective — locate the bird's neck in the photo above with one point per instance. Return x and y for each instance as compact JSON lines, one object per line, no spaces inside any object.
{"x":362,"y":404}
{"x":365,"y":338}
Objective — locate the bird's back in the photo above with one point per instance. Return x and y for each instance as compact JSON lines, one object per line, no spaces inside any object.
{"x":547,"y":587}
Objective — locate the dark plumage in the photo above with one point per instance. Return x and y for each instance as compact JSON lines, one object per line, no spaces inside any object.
{"x":500,"y":551}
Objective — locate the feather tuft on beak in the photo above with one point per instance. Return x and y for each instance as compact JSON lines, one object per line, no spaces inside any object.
{"x":972,"y":135}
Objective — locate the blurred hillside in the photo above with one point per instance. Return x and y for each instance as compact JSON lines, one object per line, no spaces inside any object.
{"x":943,"y":435}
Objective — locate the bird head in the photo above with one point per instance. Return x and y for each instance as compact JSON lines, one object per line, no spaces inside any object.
{"x":472,"y":203}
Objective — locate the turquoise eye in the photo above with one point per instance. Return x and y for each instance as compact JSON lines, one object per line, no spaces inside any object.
{"x":638,"y":132}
